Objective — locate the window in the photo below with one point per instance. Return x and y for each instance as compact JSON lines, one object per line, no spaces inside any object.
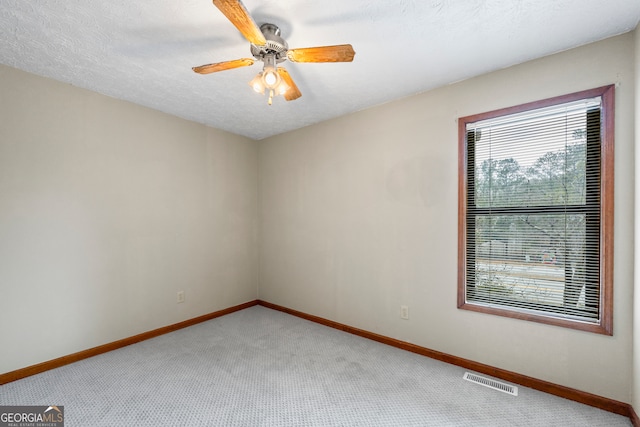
{"x":535,"y":218}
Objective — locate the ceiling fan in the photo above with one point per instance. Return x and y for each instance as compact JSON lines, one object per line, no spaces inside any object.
{"x":268,"y":47}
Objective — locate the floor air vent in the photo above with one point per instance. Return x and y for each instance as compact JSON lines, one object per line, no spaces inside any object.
{"x":488,"y":382}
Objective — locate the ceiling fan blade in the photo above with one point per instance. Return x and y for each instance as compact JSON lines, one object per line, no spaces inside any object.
{"x":235,"y":12}
{"x":221,"y":66}
{"x":293,"y":92}
{"x":339,"y":53}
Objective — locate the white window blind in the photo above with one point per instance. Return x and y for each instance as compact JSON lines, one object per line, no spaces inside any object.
{"x":533,"y":211}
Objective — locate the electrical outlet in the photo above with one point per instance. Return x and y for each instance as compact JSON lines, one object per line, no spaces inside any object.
{"x":404,"y":312}
{"x":180,"y":297}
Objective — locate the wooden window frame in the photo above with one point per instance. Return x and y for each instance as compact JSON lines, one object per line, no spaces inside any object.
{"x":605,"y":324}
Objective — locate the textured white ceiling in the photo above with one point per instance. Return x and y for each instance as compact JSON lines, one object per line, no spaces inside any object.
{"x":142,"y":51}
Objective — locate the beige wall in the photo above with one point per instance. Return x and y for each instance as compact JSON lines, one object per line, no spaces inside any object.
{"x":636,"y":297}
{"x":359,"y":216}
{"x":107,"y":209}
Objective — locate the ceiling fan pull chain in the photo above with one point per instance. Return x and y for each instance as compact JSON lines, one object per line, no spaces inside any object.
{"x":270,"y":96}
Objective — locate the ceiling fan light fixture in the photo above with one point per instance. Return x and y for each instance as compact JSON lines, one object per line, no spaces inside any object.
{"x":269,"y":80}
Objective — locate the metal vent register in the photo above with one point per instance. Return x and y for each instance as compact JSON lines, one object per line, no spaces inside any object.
{"x":491,"y":383}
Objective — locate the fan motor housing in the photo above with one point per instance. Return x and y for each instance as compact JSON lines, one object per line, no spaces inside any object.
{"x":275,"y":45}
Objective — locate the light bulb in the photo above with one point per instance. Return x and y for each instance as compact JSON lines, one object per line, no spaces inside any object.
{"x":257,"y":84}
{"x":270,"y":78}
{"x":283,"y":88}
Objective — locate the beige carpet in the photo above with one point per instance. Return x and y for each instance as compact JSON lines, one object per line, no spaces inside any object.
{"x":260,"y":367}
